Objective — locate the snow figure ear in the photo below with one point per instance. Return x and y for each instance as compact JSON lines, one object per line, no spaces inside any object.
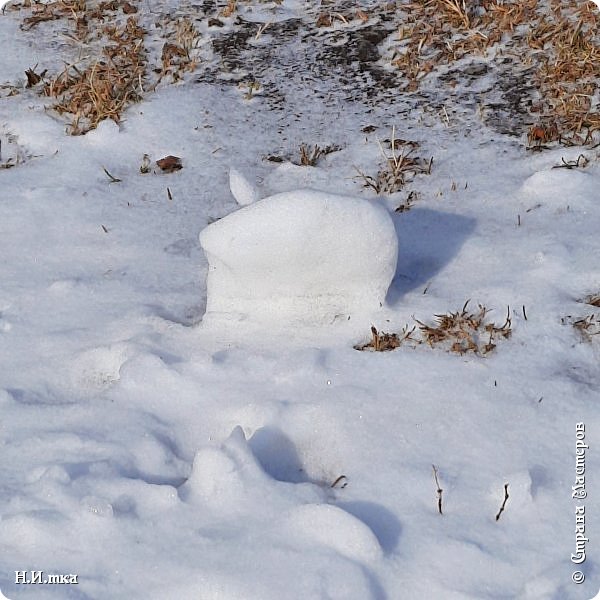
{"x":243,"y":191}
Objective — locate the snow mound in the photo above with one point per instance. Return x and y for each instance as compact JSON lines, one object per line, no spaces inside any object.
{"x":230,"y":479}
{"x":303,"y":256}
{"x":227,"y":482}
{"x":549,"y":187}
{"x":333,"y":527}
{"x":98,"y":367}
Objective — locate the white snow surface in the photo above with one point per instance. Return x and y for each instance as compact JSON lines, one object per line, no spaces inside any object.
{"x":158,"y":458}
{"x":301,"y":256}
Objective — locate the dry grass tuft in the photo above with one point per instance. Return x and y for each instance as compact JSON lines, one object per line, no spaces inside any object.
{"x":106,"y":87}
{"x":230,"y":9}
{"x":310,"y":155}
{"x":457,"y":12}
{"x":405,"y":206}
{"x":114,"y":72}
{"x":460,"y":332}
{"x":568,"y":73}
{"x":463,"y":331}
{"x":593,"y":300}
{"x":250,"y":88}
{"x":34,"y":78}
{"x":560,"y":41}
{"x":587,"y":326}
{"x":382,"y":342}
{"x":398,"y":168}
{"x":179,"y":57}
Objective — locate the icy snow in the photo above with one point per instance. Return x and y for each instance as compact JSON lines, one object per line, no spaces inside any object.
{"x":158,"y":458}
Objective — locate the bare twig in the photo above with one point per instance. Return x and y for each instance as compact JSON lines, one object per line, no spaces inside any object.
{"x":503,"y":502}
{"x":112,"y":178}
{"x":340,"y":479}
{"x":582,"y":161}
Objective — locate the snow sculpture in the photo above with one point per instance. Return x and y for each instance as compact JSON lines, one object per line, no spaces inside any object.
{"x":300,"y":256}
{"x":241,"y":189}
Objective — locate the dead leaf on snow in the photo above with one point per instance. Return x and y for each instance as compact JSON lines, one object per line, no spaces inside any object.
{"x":170,"y":163}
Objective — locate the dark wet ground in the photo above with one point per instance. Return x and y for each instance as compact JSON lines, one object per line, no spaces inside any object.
{"x":294,"y":58}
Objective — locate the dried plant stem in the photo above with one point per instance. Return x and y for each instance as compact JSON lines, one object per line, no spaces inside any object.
{"x":439,"y":490}
{"x":503,"y":502}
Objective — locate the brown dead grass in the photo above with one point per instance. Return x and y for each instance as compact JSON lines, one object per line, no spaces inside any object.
{"x":110,"y":78}
{"x":440,"y":32}
{"x":569,"y":73}
{"x":593,"y":300}
{"x":460,"y":332}
{"x":562,"y":44}
{"x":115,"y":71}
{"x":310,"y":155}
{"x":588,"y":326}
{"x":107,"y":86}
{"x":382,"y":342}
{"x":230,"y":9}
{"x":178,"y":54}
{"x":559,"y":40}
{"x":400,"y":166}
{"x":463,"y":331}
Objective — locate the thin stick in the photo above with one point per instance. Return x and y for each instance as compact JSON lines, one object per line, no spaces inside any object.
{"x":439,"y":490}
{"x":262,"y":28}
{"x":503,"y":502}
{"x":375,"y":335}
{"x":339,"y":480}
{"x":112,"y":178}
